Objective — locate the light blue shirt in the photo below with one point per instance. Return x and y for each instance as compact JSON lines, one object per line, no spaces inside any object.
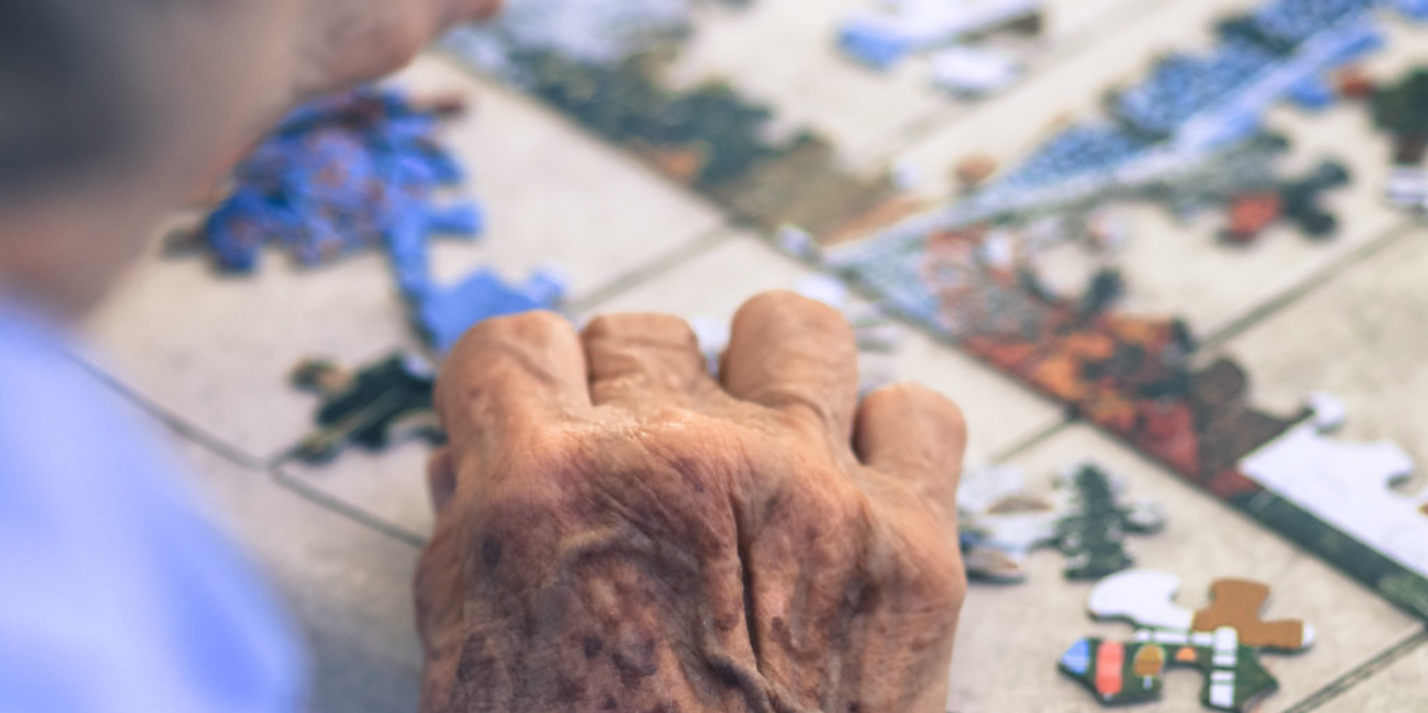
{"x":115,"y":595}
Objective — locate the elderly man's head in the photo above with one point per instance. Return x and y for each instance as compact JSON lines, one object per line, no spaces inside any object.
{"x":110,"y":112}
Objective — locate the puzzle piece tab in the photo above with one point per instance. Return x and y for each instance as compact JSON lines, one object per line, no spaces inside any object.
{"x":1221,"y":640}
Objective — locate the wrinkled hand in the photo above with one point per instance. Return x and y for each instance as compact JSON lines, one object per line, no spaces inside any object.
{"x":617,"y":531}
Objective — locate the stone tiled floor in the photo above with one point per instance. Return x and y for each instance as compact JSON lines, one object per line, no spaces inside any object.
{"x":340,"y":542}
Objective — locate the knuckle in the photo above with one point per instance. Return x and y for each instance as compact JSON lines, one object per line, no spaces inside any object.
{"x":941,"y":577}
{"x":535,"y":329}
{"x":915,"y":398}
{"x":537,"y":326}
{"x":810,"y":311}
{"x":642,"y":327}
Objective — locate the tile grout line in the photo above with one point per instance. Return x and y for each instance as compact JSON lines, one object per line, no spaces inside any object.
{"x":694,"y":249}
{"x":1034,"y":440}
{"x":216,"y":446}
{"x":171,"y":420}
{"x":342,"y":508}
{"x":1361,"y":673}
{"x":1309,"y":285}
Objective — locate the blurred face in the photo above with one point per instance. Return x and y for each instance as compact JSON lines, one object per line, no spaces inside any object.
{"x":214,"y":74}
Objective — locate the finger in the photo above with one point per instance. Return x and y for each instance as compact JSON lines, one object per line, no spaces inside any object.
{"x":511,"y":373}
{"x":794,"y":354}
{"x":912,"y":433}
{"x":645,"y":360}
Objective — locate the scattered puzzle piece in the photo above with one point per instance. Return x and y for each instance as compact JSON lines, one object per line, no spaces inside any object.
{"x":1222,"y":641}
{"x":1092,"y":535}
{"x":1236,"y":603}
{"x":358,"y":171}
{"x":1324,"y":485}
{"x":338,"y":176}
{"x":939,"y":29}
{"x":443,"y":315}
{"x":378,"y":405}
{"x":1088,"y":519}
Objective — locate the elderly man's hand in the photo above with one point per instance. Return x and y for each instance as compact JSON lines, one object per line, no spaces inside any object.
{"x":618,"y":531}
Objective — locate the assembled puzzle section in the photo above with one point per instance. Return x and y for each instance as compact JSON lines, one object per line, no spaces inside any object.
{"x":706,"y":132}
{"x":1189,"y":134}
{"x":972,"y":273}
{"x":1222,"y":641}
{"x":1088,"y":518}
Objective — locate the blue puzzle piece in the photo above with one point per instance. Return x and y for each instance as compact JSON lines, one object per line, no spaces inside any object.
{"x":444,"y":315}
{"x":339,"y":176}
{"x":874,"y":46}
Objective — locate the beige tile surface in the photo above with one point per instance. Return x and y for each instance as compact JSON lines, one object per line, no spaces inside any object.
{"x":784,"y":52}
{"x":1360,"y":336}
{"x":555,"y":194}
{"x":215,"y":350}
{"x":389,"y":486}
{"x":1399,"y":687}
{"x":346,"y":588}
{"x":1012,"y":636}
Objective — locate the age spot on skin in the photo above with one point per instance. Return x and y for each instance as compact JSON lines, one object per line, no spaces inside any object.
{"x":491,"y":552}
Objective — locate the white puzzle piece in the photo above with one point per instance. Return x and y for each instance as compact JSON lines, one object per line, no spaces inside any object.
{"x":1142,"y":597}
{"x":1349,"y":486}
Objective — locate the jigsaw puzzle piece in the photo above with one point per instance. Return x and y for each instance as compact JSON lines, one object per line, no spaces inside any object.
{"x":1098,"y":517}
{"x":998,"y":541}
{"x":1236,"y":604}
{"x":1221,"y":641}
{"x":1128,"y":673}
{"x":1348,"y":486}
{"x":1118,"y":673}
{"x":445,"y":314}
{"x":372,"y":407}
{"x":1142,"y":597}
